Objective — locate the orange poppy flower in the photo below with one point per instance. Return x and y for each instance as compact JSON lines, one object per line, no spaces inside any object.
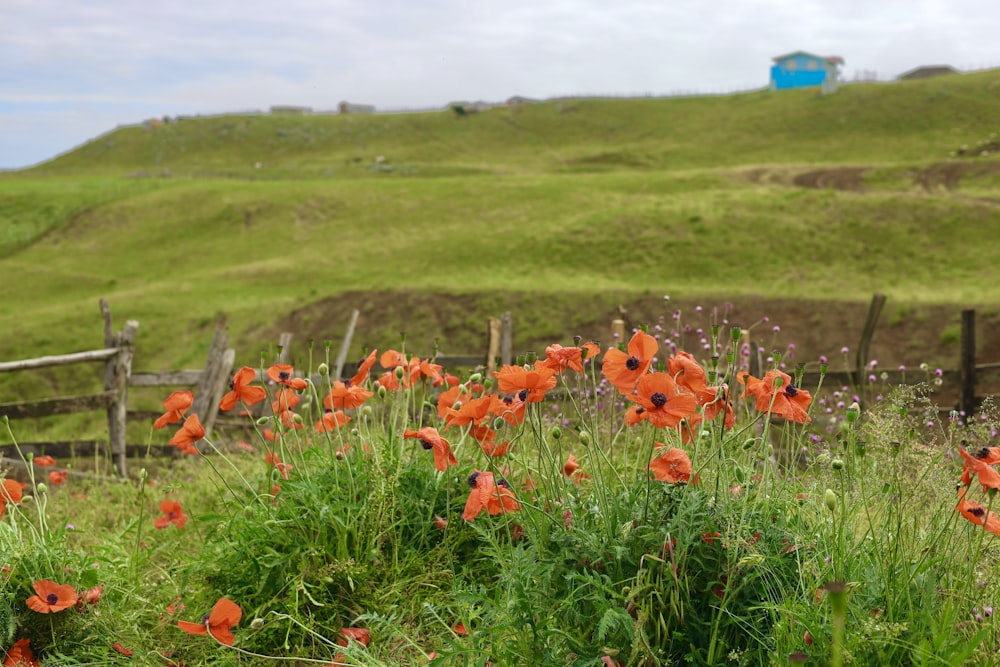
{"x":572,"y":470}
{"x":686,"y":371}
{"x":91,"y":595}
{"x":20,"y":655}
{"x":176,"y":405}
{"x":191,"y":432}
{"x":987,"y":455}
{"x":978,"y":514}
{"x":472,"y":411}
{"x":664,"y":405}
{"x":987,"y":474}
{"x":431,"y":439}
{"x":363,"y":369}
{"x":486,"y":437}
{"x":285,"y":375}
{"x":172,"y":514}
{"x":460,"y":629}
{"x":446,"y":401}
{"x":331,"y":421}
{"x":713,"y":401}
{"x":219,"y":623}
{"x":241,"y":391}
{"x":121,"y":649}
{"x":392,"y":358}
{"x":672,"y":467}
{"x":432,"y":372}
{"x":785,"y":400}
{"x":58,"y":477}
{"x":345,"y":396}
{"x":11,"y":491}
{"x":488,"y":494}
{"x":635,"y":415}
{"x":52,"y":597}
{"x":362,"y":636}
{"x":529,"y":385}
{"x":284,"y":399}
{"x":275,"y":462}
{"x":623,"y":369}
{"x":44,"y":461}
{"x":509,"y":408}
{"x":559,"y":358}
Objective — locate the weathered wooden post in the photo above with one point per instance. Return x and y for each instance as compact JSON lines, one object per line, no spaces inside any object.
{"x":493,"y":344}
{"x":214,"y":377}
{"x":345,"y":346}
{"x":618,"y":332}
{"x":967,"y":364}
{"x":861,"y":359}
{"x":505,"y":340}
{"x":116,"y":374}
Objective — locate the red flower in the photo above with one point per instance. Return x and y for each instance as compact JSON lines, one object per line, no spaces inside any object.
{"x":623,"y":369}
{"x":283,"y":468}
{"x":446,"y":401}
{"x":91,"y":595}
{"x":172,"y":514}
{"x":52,"y":597}
{"x":987,"y":474}
{"x":572,"y":470}
{"x":285,"y":374}
{"x":488,"y":494}
{"x":176,"y":405}
{"x":460,"y":629}
{"x":345,"y":396}
{"x":686,"y":371}
{"x":11,"y":491}
{"x":431,"y":439}
{"x":20,"y":655}
{"x":241,"y":391}
{"x":224,"y":615}
{"x":44,"y":461}
{"x":776,"y":394}
{"x":472,"y":411}
{"x":559,"y":358}
{"x":664,"y":406}
{"x":331,"y":421}
{"x":121,"y":649}
{"x":510,"y":408}
{"x":714,"y":400}
{"x":363,"y":369}
{"x":362,"y":636}
{"x":672,"y":467}
{"x":284,"y":399}
{"x":58,"y":477}
{"x":978,"y":514}
{"x":486,"y":437}
{"x":191,"y":432}
{"x":529,"y":385}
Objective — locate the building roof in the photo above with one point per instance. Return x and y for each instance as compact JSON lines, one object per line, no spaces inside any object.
{"x":927,"y":70}
{"x":836,"y":60}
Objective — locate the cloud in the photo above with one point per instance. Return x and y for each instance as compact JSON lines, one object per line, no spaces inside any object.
{"x":146,"y":59}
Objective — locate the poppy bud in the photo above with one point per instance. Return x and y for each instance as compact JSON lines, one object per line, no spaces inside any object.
{"x":399,"y":372}
{"x":382,"y":391}
{"x":498,"y":423}
{"x":263,"y":421}
{"x":750,"y":442}
{"x":475,"y":377}
{"x":323,"y":369}
{"x":257,"y":624}
{"x":837,"y":464}
{"x":463,"y":389}
{"x":530,"y":358}
{"x":735,"y":333}
{"x":367,"y":411}
{"x":852,"y":412}
{"x":556,"y":433}
{"x":143,"y":474}
{"x":585,"y":438}
{"x":355,"y":432}
{"x":807,"y":638}
{"x":4,"y":420}
{"x":42,"y":489}
{"x":297,"y":418}
{"x":488,"y":384}
{"x":830,"y":498}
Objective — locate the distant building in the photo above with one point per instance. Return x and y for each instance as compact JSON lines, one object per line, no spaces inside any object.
{"x":801,"y":69}
{"x":926,"y":71}
{"x":347,"y":107}
{"x":289,"y":110}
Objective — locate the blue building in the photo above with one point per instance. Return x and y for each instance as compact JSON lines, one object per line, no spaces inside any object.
{"x":800,"y":70}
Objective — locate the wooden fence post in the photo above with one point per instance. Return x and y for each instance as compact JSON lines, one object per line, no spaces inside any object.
{"x":345,"y":346}
{"x":116,"y":374}
{"x":967,"y":364}
{"x":284,"y":342}
{"x":755,"y":360}
{"x":492,"y":345}
{"x":861,"y":360}
{"x":505,"y":340}
{"x":618,"y":332}
{"x":213,"y":378}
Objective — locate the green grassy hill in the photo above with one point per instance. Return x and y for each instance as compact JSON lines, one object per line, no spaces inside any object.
{"x":560,"y":210}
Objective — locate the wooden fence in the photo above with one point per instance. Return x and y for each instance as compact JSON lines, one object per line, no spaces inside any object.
{"x":211,"y":382}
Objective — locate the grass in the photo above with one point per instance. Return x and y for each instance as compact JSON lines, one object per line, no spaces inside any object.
{"x":832,"y":541}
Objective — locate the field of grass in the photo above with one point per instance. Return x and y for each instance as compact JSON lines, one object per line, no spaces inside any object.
{"x":585,"y":204}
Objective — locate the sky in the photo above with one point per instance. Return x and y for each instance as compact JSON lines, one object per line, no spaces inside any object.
{"x":71,"y":70}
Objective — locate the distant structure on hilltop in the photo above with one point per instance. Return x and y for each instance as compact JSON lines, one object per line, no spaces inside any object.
{"x":801,"y":69}
{"x":289,"y":110}
{"x":926,"y":71}
{"x":347,"y":107}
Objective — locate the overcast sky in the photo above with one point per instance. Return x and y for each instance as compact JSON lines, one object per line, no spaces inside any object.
{"x":71,"y":70}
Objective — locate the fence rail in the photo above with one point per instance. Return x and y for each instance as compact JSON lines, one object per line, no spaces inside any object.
{"x":212,"y":380}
